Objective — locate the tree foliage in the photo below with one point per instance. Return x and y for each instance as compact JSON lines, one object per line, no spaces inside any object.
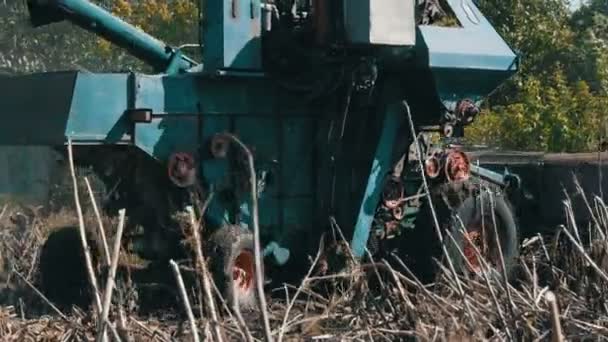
{"x":173,"y":21}
{"x":62,"y":46}
{"x":558,"y":100}
{"x":24,"y":49}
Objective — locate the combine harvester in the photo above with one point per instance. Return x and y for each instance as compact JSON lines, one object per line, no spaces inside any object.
{"x":329,"y":96}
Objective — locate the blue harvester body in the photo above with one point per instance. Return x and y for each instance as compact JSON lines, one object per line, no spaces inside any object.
{"x":322,"y":151}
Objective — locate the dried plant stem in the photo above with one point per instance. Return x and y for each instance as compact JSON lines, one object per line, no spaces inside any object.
{"x":184,"y":295}
{"x":581,"y":249}
{"x":256,"y":237}
{"x":122,"y":320}
{"x":3,"y":211}
{"x":304,"y":281}
{"x":502,"y":259}
{"x":581,"y":192}
{"x":570,"y":220}
{"x":375,"y":268}
{"x":241,"y":320}
{"x":435,"y":298}
{"x":603,"y":330}
{"x":600,"y":208}
{"x":113,"y":331}
{"x":46,"y":300}
{"x":404,"y":297}
{"x":336,"y":227}
{"x":110,"y":281}
{"x":486,"y":278}
{"x":200,"y":260}
{"x":244,"y":330}
{"x":557,"y":335}
{"x":102,"y":233}
{"x":108,"y":260}
{"x":83,"y":238}
{"x":434,"y":214}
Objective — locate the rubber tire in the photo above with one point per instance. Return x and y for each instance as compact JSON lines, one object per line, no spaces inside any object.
{"x":63,"y":273}
{"x":223,"y":247}
{"x":470,"y":210}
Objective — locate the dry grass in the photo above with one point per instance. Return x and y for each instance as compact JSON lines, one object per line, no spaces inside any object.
{"x":380,"y":301}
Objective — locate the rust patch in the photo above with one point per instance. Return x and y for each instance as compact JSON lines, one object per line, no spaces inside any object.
{"x":243,"y":271}
{"x":432,"y":167}
{"x":457,"y":166}
{"x":472,"y":238}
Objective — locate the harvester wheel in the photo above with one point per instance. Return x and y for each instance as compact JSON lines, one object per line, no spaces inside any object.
{"x":63,"y":270}
{"x":421,"y":248}
{"x":232,"y":263}
{"x":483,"y":216}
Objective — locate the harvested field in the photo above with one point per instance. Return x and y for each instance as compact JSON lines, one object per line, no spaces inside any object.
{"x":560,"y":292}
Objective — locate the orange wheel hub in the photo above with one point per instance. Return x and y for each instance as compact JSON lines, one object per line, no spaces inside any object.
{"x":243,"y":271}
{"x":472,"y":240}
{"x":457,"y":166}
{"x":478,"y":242}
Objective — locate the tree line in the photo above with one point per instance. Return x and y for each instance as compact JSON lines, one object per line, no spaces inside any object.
{"x":558,"y":102}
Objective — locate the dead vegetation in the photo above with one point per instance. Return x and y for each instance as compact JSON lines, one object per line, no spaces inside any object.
{"x":560,"y":292}
{"x":380,"y":301}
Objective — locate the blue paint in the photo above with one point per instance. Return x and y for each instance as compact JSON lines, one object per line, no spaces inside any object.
{"x":96,"y":111}
{"x":380,"y":168}
{"x":468,"y":61}
{"x":232,"y":39}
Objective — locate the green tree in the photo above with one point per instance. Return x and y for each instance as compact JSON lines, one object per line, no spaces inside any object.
{"x":172,"y":21}
{"x":591,"y":23}
{"x":593,"y":16}
{"x":556,"y":102}
{"x":64,"y":46}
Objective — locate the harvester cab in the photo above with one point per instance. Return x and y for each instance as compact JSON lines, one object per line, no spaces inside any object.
{"x":327,"y":95}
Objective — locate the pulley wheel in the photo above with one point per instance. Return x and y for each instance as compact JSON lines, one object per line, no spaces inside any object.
{"x":182,"y":169}
{"x":457,"y":166}
{"x":219,"y":146}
